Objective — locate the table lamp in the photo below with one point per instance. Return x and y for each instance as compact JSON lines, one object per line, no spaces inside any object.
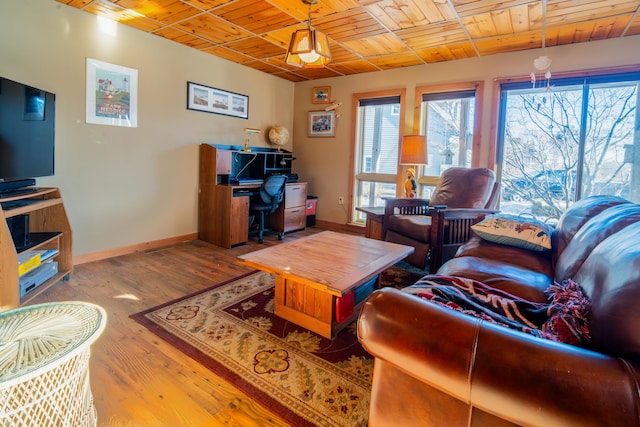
{"x":413,"y":151}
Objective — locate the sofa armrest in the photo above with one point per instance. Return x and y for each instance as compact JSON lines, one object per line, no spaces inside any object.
{"x":517,"y":377}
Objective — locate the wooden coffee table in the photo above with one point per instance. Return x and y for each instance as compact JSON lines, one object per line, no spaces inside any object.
{"x":312,"y":272}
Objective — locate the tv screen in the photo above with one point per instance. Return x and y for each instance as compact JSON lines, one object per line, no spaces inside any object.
{"x":27,"y":131}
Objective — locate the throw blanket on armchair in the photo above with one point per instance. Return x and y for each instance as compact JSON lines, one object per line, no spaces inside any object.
{"x":563,"y":319}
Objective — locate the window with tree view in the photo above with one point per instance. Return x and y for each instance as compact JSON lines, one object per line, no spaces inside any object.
{"x":568,"y":140}
{"x":449,"y":120}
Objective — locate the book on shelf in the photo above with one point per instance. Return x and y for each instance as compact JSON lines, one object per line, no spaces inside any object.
{"x":29,"y":260}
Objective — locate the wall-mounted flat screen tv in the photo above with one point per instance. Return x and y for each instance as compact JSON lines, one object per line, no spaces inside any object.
{"x":27,"y":131}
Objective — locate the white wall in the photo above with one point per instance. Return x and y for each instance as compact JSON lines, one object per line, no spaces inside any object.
{"x":125,"y":186}
{"x":324,"y":162}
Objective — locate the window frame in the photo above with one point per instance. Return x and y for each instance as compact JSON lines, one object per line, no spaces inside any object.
{"x":355,"y":105}
{"x":495,"y":157}
{"x":418,"y":122}
{"x":495,"y":148}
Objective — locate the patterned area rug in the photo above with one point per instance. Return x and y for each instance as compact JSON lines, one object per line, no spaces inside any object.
{"x":306,"y":379}
{"x":401,"y":275}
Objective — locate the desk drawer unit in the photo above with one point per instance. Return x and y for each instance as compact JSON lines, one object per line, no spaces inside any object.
{"x":292,"y":215}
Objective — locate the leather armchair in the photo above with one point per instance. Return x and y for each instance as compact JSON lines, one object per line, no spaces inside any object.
{"x":436,"y":227}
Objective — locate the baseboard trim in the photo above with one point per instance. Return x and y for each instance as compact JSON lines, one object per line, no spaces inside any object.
{"x":141,"y":247}
{"x":345,"y":228}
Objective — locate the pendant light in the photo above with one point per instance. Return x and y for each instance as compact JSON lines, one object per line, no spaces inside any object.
{"x":309,"y":48}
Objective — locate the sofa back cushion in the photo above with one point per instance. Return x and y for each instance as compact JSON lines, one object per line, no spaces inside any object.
{"x":575,"y":217}
{"x":464,"y":188}
{"x":610,"y":277}
{"x":594,"y":231}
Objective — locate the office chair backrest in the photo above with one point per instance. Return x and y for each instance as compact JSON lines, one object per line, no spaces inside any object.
{"x":272,"y":190}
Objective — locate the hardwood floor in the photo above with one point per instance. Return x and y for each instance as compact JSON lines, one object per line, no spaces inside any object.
{"x":139,"y":380}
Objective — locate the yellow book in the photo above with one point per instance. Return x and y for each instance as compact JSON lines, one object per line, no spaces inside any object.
{"x":29,"y":263}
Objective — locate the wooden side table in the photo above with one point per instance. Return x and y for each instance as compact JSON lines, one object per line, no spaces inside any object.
{"x":373,"y":222}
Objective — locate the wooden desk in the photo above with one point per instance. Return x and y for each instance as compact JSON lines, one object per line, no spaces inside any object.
{"x":223,"y":209}
{"x":373,"y":221}
{"x":313,"y":271}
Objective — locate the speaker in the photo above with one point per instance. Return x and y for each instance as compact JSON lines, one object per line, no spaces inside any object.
{"x":19,"y":229}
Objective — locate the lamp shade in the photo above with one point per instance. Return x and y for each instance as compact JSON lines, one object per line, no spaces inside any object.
{"x":309,"y":48}
{"x":413,"y":150}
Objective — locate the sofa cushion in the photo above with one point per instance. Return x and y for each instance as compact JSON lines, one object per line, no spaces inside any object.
{"x":595,"y":230}
{"x":418,"y":227}
{"x":512,"y":230}
{"x":539,"y":261}
{"x":610,"y":277}
{"x":576,"y":216}
{"x":516,"y":280}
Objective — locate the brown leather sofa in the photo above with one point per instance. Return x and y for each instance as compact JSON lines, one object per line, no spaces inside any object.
{"x":436,"y":227}
{"x":439,"y":367}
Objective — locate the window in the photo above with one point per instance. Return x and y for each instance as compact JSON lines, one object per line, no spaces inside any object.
{"x":567,"y":141}
{"x":376,"y":149}
{"x":449,"y":116}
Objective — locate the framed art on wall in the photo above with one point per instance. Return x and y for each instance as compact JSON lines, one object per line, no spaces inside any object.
{"x":112,"y":94}
{"x":217,"y":101}
{"x":322,"y":123}
{"x":321,"y":95}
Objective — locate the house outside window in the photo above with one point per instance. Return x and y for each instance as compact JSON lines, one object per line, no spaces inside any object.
{"x":376,"y":149}
{"x":449,"y":117}
{"x":578,"y":136}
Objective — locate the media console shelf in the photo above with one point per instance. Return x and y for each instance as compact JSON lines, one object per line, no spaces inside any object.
{"x":50,"y":229}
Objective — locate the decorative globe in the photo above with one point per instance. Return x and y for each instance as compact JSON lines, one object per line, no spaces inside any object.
{"x":279,"y":136}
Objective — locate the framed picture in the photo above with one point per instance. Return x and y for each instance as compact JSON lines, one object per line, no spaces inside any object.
{"x":321,"y":95}
{"x":217,"y":101}
{"x":322,"y":123}
{"x":112,"y":94}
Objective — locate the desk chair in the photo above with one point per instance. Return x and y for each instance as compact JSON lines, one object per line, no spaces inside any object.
{"x":268,"y":200}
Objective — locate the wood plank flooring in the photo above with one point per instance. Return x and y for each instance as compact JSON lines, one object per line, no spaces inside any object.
{"x":139,"y":380}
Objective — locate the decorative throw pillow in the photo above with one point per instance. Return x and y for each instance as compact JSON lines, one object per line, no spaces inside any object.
{"x":568,"y":312}
{"x":515,"y":231}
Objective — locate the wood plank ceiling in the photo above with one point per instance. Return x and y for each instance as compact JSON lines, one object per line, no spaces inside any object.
{"x":370,"y":35}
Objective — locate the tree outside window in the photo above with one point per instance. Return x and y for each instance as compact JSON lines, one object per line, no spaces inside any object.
{"x":568,"y":141}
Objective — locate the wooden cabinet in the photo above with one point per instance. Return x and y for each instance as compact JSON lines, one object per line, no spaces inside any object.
{"x":48,"y":229}
{"x":223,"y":218}
{"x":223,"y":207}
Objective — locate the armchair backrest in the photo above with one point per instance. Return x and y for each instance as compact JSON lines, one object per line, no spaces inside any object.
{"x":272,"y":190}
{"x":466,"y":188}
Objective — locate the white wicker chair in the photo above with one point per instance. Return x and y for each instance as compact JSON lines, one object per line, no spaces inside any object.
{"x":44,"y":364}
